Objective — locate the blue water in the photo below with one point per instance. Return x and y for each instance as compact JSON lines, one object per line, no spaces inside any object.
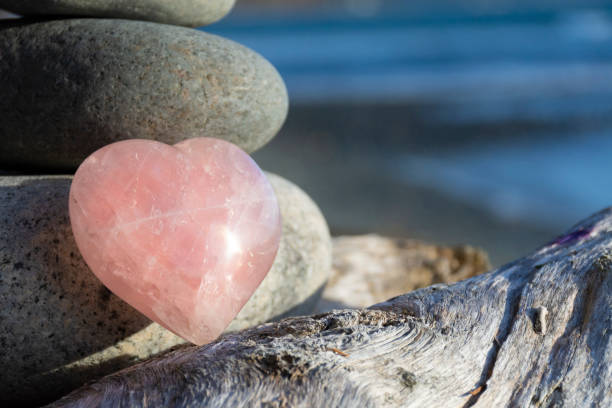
{"x":393,"y":56}
{"x":543,"y":182}
{"x":546,"y":68}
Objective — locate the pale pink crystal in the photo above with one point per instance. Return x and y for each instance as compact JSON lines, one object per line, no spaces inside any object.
{"x":183,"y":233}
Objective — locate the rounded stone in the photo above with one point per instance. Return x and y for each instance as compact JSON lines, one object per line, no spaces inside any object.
{"x":191,"y":13}
{"x":70,"y":87}
{"x":62,"y":327}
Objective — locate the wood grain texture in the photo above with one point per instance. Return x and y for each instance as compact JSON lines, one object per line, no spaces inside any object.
{"x":368,"y":269}
{"x":536,"y":332}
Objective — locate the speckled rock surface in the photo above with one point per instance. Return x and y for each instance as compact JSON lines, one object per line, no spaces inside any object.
{"x":190,"y":13}
{"x":302,"y":266}
{"x":70,"y":87}
{"x":61,"y":327}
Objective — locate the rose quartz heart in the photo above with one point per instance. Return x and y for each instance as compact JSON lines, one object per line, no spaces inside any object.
{"x":183,"y":233}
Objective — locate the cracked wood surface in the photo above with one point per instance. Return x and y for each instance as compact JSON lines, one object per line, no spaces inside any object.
{"x":536,"y":332}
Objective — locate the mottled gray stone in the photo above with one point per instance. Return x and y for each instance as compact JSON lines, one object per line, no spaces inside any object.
{"x":60,"y":327}
{"x":302,"y":266}
{"x":70,"y":87}
{"x":191,"y":13}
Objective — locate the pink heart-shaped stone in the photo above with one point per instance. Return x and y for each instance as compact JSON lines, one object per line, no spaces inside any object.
{"x":183,"y":233}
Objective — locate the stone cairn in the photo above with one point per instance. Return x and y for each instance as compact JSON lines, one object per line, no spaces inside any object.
{"x":74,"y":76}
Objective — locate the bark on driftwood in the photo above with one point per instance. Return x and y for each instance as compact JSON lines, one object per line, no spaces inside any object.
{"x":536,"y":332}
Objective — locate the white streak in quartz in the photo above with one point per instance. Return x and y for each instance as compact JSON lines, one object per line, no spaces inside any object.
{"x":159,"y":215}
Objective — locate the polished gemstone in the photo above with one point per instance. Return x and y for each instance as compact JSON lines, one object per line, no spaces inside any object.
{"x":183,"y":233}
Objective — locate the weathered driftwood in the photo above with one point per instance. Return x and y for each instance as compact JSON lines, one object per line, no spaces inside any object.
{"x":367,"y":269}
{"x":536,"y":332}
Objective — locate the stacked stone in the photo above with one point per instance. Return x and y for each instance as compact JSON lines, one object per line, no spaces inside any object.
{"x":72,"y":85}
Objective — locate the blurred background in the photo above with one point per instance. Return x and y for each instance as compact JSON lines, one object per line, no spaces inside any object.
{"x":465,"y":121}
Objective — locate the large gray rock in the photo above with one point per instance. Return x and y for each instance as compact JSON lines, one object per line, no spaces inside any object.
{"x":70,"y":87}
{"x":60,"y":327}
{"x":190,"y":13}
